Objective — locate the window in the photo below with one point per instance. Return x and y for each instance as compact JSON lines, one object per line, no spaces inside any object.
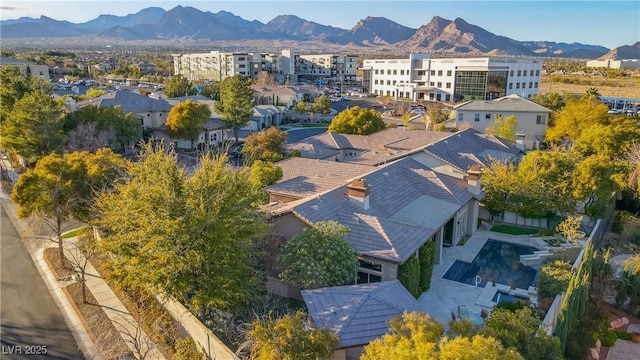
{"x":510,"y":73}
{"x":395,"y":72}
{"x":524,"y":85}
{"x":375,"y":81}
{"x":420,"y":72}
{"x":519,"y":72}
{"x":510,"y":86}
{"x":535,"y":85}
{"x":531,"y":73}
{"x":433,"y":73}
{"x":447,"y":97}
{"x":401,"y":71}
{"x":376,"y":71}
{"x":388,"y":82}
{"x":541,"y":119}
{"x":388,"y":71}
{"x":537,"y":72}
{"x":530,"y":85}
{"x":394,"y":82}
{"x":432,"y":83}
{"x":448,"y":86}
{"x":439,"y":84}
{"x":449,"y":72}
{"x":439,"y":72}
{"x":487,"y":116}
{"x":476,"y":117}
{"x":460,"y":116}
{"x":517,"y":85}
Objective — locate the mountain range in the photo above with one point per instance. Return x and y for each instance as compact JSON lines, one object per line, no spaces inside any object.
{"x":188,"y":25}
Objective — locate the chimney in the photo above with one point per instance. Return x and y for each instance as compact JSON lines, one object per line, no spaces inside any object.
{"x":520,"y":140}
{"x":358,"y":192}
{"x":473,"y":180}
{"x":69,"y":105}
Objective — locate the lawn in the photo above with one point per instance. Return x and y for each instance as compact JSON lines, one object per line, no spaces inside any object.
{"x":72,"y":233}
{"x":514,"y":230}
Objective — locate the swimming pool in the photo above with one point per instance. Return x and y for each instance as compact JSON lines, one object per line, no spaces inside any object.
{"x":497,"y":261}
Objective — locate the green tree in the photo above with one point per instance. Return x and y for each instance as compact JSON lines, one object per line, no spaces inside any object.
{"x":121,"y":129}
{"x":552,"y":101}
{"x":184,"y":235}
{"x":322,"y":105}
{"x":416,"y":336}
{"x":612,"y":140}
{"x":186,"y":120}
{"x":319,"y":257}
{"x":301,"y":107}
{"x":267,"y":145}
{"x":179,"y":86}
{"x":477,"y":347}
{"x":264,"y":173}
{"x":503,"y":127}
{"x":553,"y":278}
{"x":501,"y":185}
{"x":211,"y":90}
{"x":33,"y":128}
{"x":289,"y":338}
{"x":521,"y":330}
{"x":574,"y":118}
{"x":236,"y":102}
{"x":61,"y":187}
{"x":14,"y":87}
{"x":357,"y":121}
{"x":434,"y":116}
{"x":595,"y":180}
{"x":409,"y":275}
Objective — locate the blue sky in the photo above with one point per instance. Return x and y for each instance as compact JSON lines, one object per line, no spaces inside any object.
{"x":607,"y":23}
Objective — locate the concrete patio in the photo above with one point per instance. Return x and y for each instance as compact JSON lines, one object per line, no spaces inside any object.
{"x":444,"y":296}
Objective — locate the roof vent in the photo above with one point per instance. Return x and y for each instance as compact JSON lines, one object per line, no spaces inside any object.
{"x":315,"y":207}
{"x":385,"y":174}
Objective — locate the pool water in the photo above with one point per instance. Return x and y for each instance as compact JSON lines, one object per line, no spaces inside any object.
{"x":497,"y":261}
{"x":506,"y":297}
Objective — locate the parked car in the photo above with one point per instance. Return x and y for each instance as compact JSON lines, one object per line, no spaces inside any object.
{"x":615,"y":111}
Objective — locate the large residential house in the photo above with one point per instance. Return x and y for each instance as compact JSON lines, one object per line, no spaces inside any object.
{"x":451,"y":79}
{"x":532,"y":118}
{"x":151,"y":112}
{"x":284,"y":95}
{"x":448,"y":153}
{"x":396,"y":190}
{"x":288,"y":66}
{"x":27,"y":67}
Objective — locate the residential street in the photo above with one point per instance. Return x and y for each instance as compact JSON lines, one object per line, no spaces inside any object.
{"x":30,"y":321}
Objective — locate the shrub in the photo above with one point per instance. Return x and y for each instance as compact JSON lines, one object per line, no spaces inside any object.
{"x":618,"y":223}
{"x":511,"y":306}
{"x":427,"y":255}
{"x":409,"y":276}
{"x":623,"y":335}
{"x":553,"y":278}
{"x":608,"y":338}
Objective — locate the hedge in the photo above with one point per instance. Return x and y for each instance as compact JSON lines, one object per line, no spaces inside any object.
{"x":409,"y":276}
{"x":427,"y":258}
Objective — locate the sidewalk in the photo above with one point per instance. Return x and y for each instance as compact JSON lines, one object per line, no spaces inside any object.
{"x":131,"y":331}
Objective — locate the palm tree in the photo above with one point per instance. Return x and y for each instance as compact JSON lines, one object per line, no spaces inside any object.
{"x":592,"y":94}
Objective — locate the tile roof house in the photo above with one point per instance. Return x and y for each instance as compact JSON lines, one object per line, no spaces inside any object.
{"x":532,"y":118}
{"x":359,"y":313}
{"x":391,"y":211}
{"x":151,"y":112}
{"x":375,"y":149}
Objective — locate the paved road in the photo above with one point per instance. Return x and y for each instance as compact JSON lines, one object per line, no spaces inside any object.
{"x":28,"y":315}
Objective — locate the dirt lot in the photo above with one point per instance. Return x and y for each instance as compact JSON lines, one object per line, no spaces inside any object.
{"x":620,"y":87}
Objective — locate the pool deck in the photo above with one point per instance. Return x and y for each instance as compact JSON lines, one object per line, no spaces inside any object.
{"x":444,"y":296}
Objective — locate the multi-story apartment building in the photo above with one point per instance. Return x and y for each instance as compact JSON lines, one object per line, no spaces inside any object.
{"x":452,"y":79}
{"x":286,"y":66}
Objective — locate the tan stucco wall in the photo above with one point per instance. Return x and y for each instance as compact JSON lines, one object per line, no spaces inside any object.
{"x":288,"y":225}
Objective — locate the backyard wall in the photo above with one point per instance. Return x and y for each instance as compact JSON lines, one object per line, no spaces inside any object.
{"x":550,"y":321}
{"x":513,"y":218}
{"x":205,"y":340}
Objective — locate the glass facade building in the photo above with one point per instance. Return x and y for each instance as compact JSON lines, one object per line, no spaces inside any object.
{"x":480,"y":85}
